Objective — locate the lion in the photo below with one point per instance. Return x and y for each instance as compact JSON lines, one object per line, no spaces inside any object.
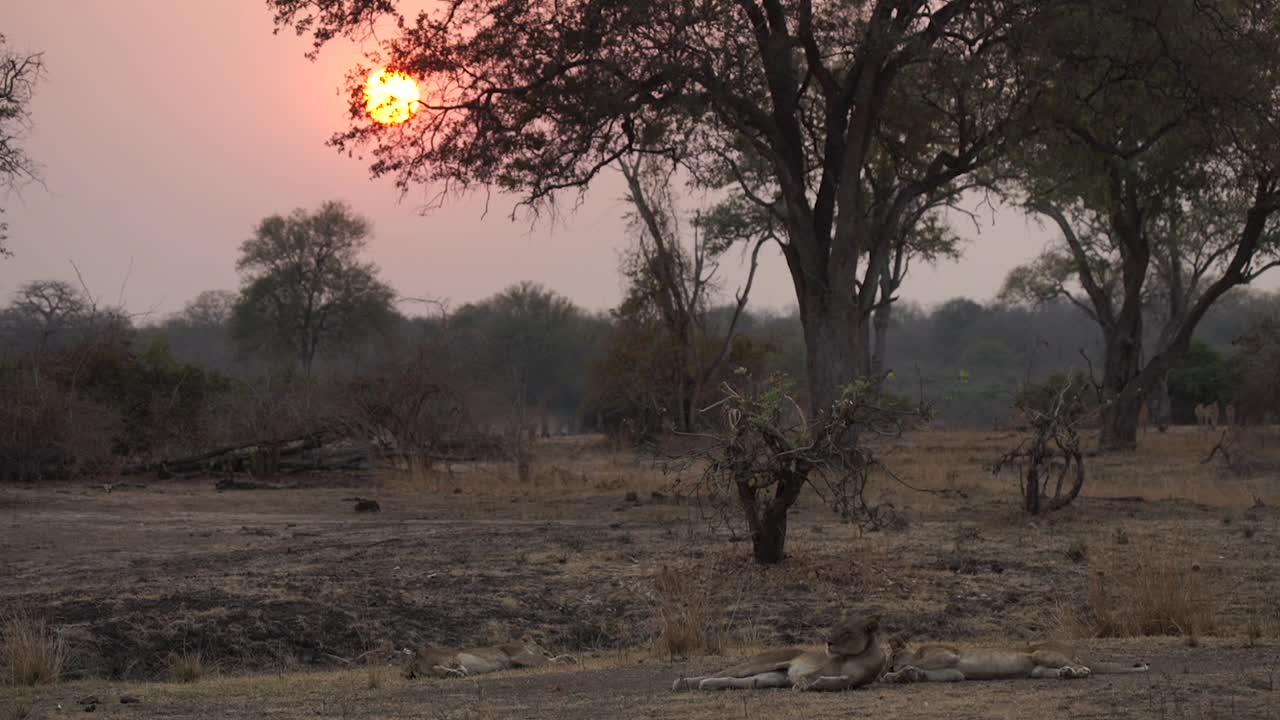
{"x":945,"y":663}
{"x":854,"y":657}
{"x":441,"y":663}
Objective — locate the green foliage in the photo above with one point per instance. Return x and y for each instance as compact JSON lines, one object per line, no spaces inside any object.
{"x":305,"y":289}
{"x":1201,"y":375}
{"x":1255,"y":372}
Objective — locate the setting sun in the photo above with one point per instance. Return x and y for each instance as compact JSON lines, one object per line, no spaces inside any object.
{"x":390,"y":97}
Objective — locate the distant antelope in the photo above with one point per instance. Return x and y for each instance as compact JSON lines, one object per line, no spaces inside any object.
{"x":1144,"y":417}
{"x":1207,"y":415}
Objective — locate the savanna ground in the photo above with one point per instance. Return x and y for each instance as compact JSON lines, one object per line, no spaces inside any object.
{"x":285,"y":603}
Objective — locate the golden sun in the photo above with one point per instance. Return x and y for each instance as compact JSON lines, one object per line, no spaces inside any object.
{"x":390,"y":97}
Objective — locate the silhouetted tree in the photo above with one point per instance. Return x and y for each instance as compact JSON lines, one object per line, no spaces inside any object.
{"x":305,"y":287}
{"x":540,"y":95}
{"x":19,"y":73}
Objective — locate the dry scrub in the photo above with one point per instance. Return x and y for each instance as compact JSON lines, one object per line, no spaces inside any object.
{"x":1160,"y":596}
{"x":687,"y":615}
{"x":186,"y":668}
{"x":29,"y":653}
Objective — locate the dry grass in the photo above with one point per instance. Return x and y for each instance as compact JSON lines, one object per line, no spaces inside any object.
{"x":1163,"y":595}
{"x":687,"y":615}
{"x":29,"y":653}
{"x":560,"y":466}
{"x":186,"y":667}
{"x":376,"y":676}
{"x":19,"y":709}
{"x":1165,"y":465}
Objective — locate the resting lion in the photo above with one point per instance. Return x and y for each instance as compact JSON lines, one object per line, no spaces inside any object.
{"x":853,"y":657}
{"x":437,"y":662}
{"x":944,"y":663}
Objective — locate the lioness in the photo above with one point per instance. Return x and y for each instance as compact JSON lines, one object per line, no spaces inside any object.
{"x":944,"y":663}
{"x":437,"y":662}
{"x":853,"y":657}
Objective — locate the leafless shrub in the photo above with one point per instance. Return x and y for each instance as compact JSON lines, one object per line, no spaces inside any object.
{"x":769,"y":451}
{"x":408,"y":410}
{"x":46,"y":431}
{"x":29,"y":653}
{"x":1049,"y":463}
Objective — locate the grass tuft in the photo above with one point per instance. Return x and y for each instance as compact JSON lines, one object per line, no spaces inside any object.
{"x":1162,"y":596}
{"x":29,"y":653}
{"x":687,"y":615}
{"x":186,"y":668}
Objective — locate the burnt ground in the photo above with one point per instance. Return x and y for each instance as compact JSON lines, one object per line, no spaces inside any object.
{"x":295,"y":604}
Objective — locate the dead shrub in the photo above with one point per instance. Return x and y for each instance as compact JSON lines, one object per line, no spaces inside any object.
{"x":687,"y":614}
{"x":29,"y":653}
{"x":47,"y":431}
{"x":186,"y":667}
{"x":1161,"y":596}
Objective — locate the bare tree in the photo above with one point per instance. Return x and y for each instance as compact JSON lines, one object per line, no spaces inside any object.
{"x":674,"y":284}
{"x":44,"y":312}
{"x":19,"y":73}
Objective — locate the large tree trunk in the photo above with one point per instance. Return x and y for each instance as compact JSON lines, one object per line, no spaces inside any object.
{"x":835,"y":338}
{"x":767,"y":518}
{"x":1121,"y":394}
{"x":1159,"y":403}
{"x":769,"y":539}
{"x":880,"y":322}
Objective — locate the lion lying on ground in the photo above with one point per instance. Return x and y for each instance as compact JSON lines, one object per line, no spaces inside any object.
{"x":437,"y":662}
{"x":853,"y":657}
{"x":944,"y":663}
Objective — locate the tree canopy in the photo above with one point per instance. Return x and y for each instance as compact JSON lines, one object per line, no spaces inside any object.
{"x":304,"y":286}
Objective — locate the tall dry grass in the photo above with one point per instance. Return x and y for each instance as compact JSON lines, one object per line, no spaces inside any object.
{"x":689,"y":620}
{"x":30,"y":654}
{"x":186,"y":667}
{"x":1163,"y":595}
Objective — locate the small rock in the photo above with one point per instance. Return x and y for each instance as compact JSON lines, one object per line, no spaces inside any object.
{"x":88,"y":700}
{"x":366,"y":505}
{"x":632,"y":497}
{"x":129,"y":699}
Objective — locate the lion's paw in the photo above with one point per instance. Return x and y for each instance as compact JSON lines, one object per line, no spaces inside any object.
{"x":1074,"y":672}
{"x":905,"y":675}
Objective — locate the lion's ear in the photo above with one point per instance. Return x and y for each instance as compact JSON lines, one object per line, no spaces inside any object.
{"x":873,"y":625}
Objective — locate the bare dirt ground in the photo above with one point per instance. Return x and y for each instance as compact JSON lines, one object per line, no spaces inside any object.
{"x":295,"y":604}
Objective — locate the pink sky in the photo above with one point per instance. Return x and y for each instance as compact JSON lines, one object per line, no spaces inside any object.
{"x":166,"y":130}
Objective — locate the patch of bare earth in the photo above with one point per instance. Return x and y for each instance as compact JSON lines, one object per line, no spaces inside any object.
{"x":295,"y":605}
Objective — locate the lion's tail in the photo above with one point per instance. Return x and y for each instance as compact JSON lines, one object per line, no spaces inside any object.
{"x":1113,"y":668}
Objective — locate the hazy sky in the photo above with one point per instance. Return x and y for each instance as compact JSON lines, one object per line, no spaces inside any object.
{"x":166,"y":130}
